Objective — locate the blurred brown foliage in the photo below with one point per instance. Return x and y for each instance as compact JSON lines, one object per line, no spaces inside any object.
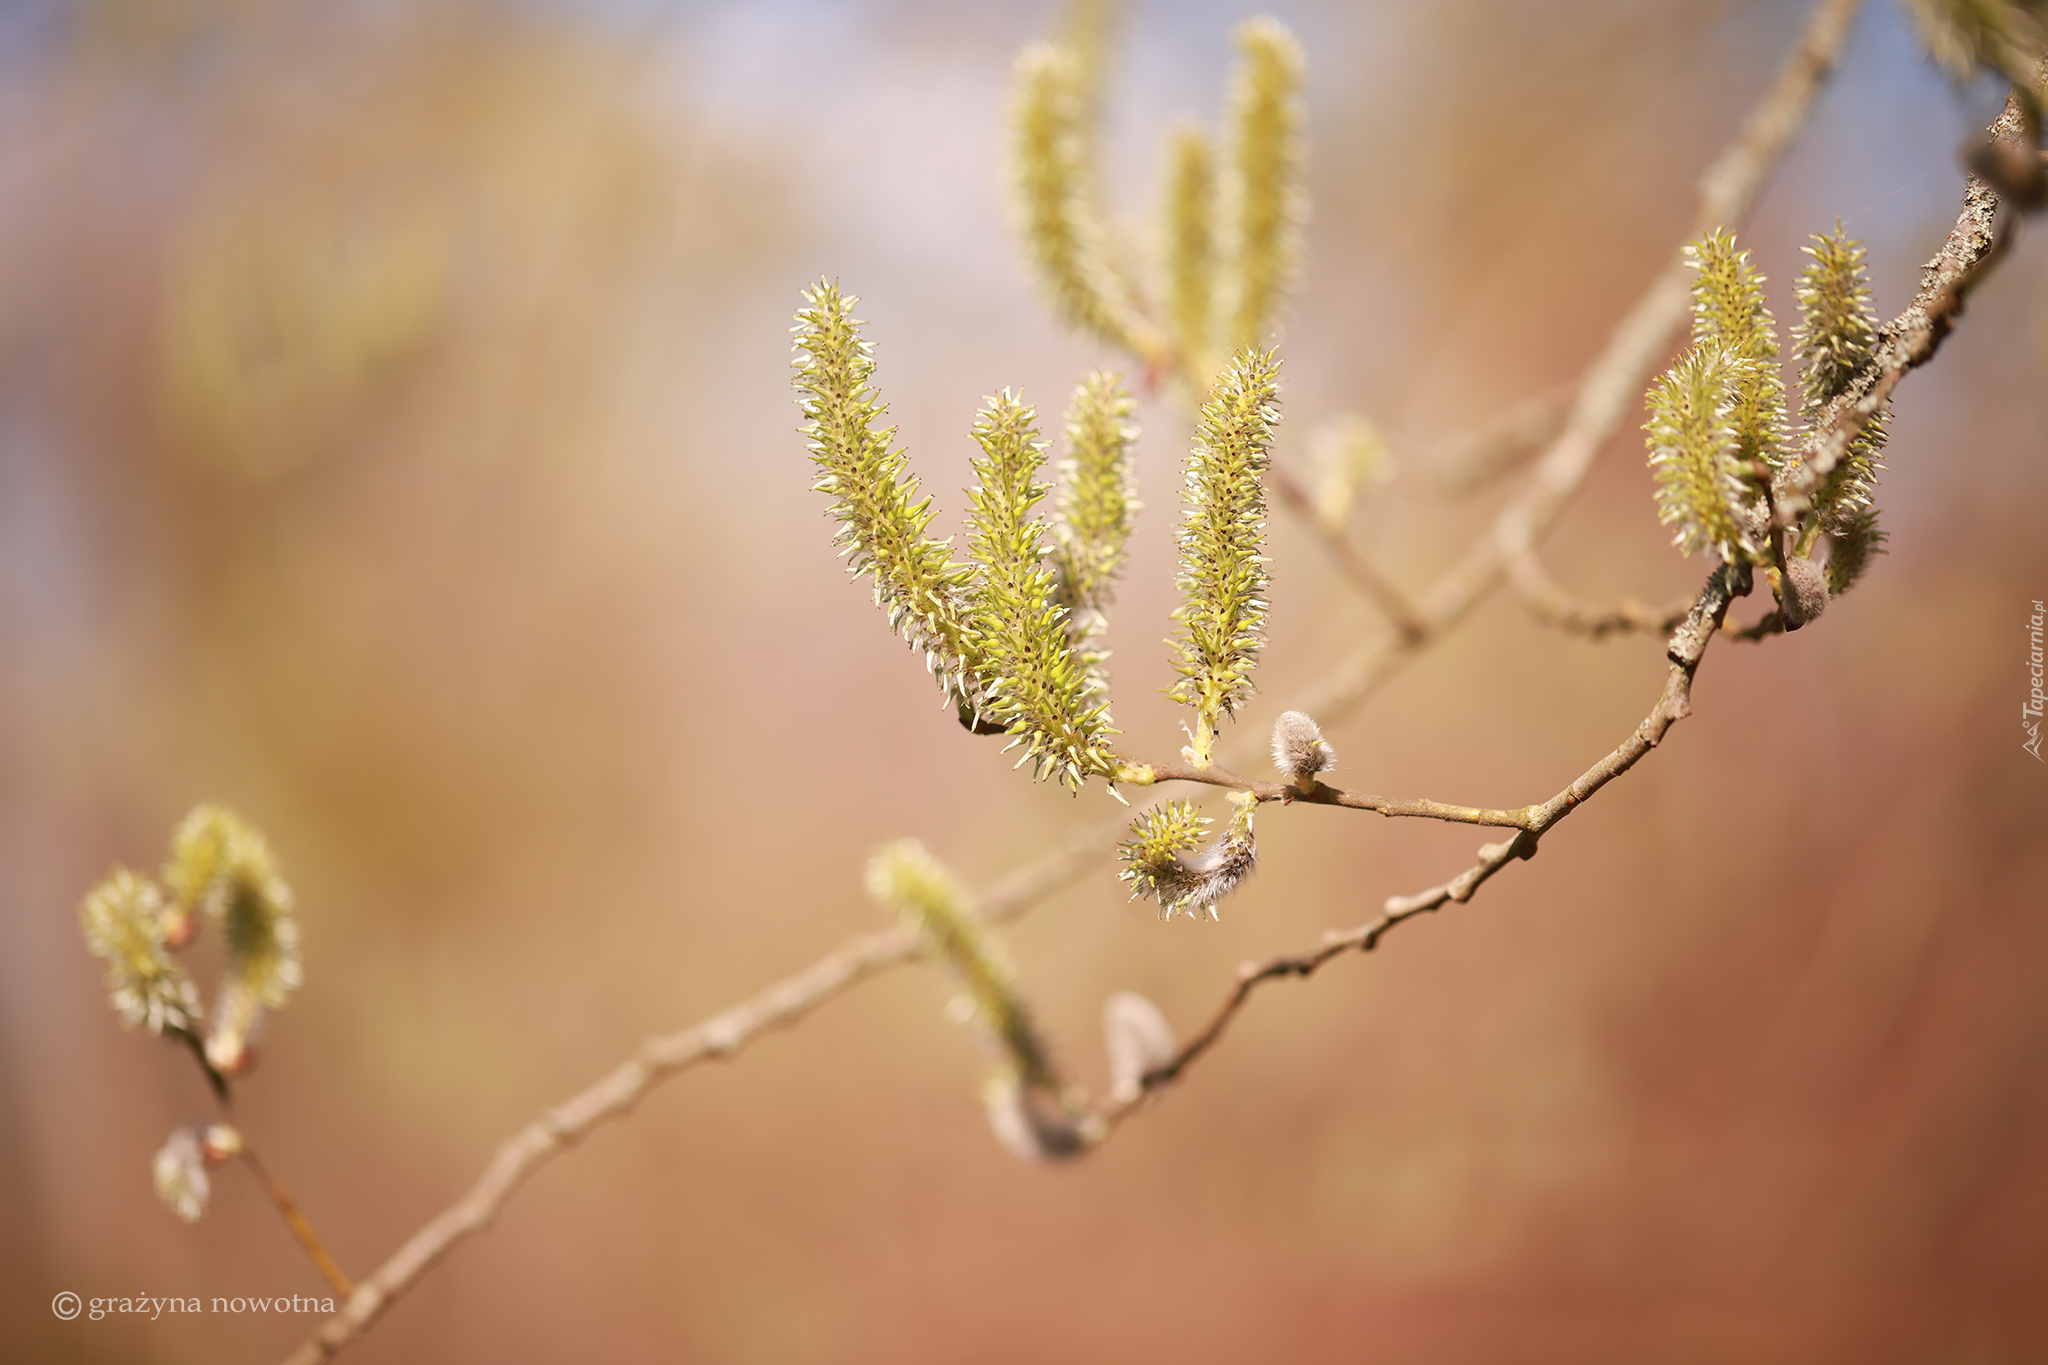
{"x":395,"y":444}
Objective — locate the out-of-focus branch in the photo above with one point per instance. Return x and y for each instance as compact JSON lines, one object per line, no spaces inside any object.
{"x":1349,"y":561}
{"x":1469,"y":461}
{"x":1613,"y":383}
{"x":1551,"y":603}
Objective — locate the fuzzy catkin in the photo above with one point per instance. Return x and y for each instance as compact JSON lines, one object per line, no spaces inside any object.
{"x":1805,"y":594}
{"x":1299,"y":749}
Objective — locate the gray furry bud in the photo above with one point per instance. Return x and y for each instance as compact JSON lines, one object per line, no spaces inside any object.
{"x":1299,"y":749}
{"x":1805,"y":592}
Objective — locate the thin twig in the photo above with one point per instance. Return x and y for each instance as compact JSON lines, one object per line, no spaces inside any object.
{"x":1321,"y":794}
{"x":296,"y":1221}
{"x":1595,"y":414}
{"x":1688,"y":644}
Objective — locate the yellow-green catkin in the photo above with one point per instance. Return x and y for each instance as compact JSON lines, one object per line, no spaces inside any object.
{"x":883,"y":521}
{"x":1190,"y":250}
{"x":1692,"y":444}
{"x":1837,"y":336}
{"x":1266,"y":201}
{"x":1222,"y":577}
{"x":221,"y":866}
{"x":1030,"y":679}
{"x":1052,"y":156}
{"x":1097,"y":505}
{"x":932,"y":904}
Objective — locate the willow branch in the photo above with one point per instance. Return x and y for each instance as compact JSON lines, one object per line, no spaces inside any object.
{"x":1469,"y":461}
{"x":1322,"y":794}
{"x":1599,"y":404}
{"x":1614,"y":385}
{"x":723,"y":1035}
{"x":1981,"y":235}
{"x":1688,"y":645}
{"x":1968,"y":251}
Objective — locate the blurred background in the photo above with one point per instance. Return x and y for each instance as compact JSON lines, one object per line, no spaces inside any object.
{"x":396,"y":444}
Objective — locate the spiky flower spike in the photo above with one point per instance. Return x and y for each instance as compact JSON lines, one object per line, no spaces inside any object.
{"x":1851,"y":547}
{"x":1098,"y":501}
{"x":122,"y":919}
{"x":1191,"y":248}
{"x":1837,"y":334}
{"x":222,"y":867}
{"x":1728,"y":309}
{"x":1692,"y":451}
{"x":882,"y":520}
{"x":1222,"y":577}
{"x":1267,"y":201}
{"x":1030,"y":678}
{"x":1151,"y":856}
{"x":1299,"y":749}
{"x":1051,"y":160}
{"x":1156,"y":871}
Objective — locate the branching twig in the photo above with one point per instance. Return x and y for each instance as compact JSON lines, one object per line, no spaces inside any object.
{"x":1687,"y":646}
{"x":1322,"y":794}
{"x":1918,"y":332}
{"x":1610,"y":386}
{"x":1688,"y":643}
{"x":1614,"y":385}
{"x":1982,"y":233}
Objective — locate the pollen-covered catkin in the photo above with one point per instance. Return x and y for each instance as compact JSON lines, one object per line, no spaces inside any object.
{"x":1299,"y":749}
